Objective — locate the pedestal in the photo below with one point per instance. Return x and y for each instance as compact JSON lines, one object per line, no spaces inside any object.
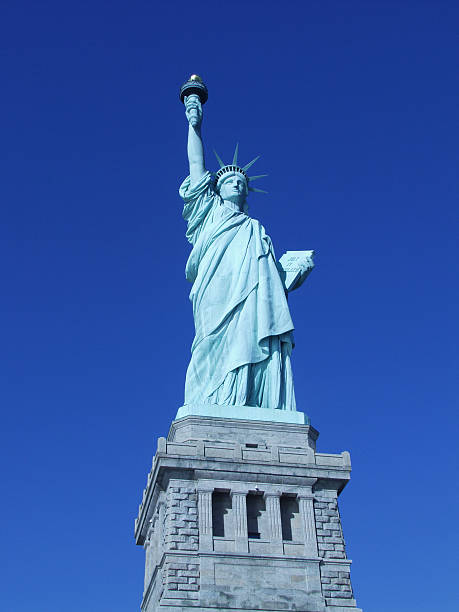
{"x":242,"y":515}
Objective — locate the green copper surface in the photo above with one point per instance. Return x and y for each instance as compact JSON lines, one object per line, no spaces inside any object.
{"x":241,"y":353}
{"x":248,"y":413}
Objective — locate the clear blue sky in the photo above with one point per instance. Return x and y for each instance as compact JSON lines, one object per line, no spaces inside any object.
{"x":351,"y":105}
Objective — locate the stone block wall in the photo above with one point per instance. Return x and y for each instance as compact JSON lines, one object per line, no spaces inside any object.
{"x":181,"y":520}
{"x":336,"y":583}
{"x":335,"y":578}
{"x":330,"y":541}
{"x":182,"y":577}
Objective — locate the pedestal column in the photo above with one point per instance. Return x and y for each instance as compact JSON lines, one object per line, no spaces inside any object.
{"x":306,"y":504}
{"x":239,"y":501}
{"x":275,"y":523}
{"x":205,"y":518}
{"x":148,"y":561}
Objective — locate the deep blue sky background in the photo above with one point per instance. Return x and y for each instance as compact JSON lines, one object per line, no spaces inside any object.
{"x":351,"y":105}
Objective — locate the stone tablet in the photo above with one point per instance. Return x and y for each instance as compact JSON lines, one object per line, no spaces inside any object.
{"x":295,"y":267}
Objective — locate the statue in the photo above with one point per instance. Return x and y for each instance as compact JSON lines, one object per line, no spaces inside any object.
{"x":243,"y":344}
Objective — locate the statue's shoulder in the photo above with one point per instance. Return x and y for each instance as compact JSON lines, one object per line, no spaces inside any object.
{"x":203,"y":187}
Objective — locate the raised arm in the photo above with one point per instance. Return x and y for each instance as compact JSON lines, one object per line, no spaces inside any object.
{"x":193,"y":111}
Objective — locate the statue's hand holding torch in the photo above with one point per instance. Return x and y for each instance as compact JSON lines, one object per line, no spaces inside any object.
{"x":193,"y":110}
{"x":194,"y":94}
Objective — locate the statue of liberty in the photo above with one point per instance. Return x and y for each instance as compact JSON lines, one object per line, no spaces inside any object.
{"x":243,"y":342}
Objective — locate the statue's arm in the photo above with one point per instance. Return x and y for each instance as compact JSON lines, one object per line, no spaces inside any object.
{"x":193,"y":111}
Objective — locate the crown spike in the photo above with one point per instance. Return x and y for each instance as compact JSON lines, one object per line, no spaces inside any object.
{"x":247,"y":166}
{"x":257,"y":176}
{"x":236,"y":150}
{"x":218,"y":159}
{"x":257,"y":190}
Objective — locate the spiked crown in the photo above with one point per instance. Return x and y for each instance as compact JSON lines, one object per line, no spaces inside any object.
{"x":233,"y":168}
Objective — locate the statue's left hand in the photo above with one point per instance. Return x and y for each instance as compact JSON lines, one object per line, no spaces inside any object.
{"x":193,"y":110}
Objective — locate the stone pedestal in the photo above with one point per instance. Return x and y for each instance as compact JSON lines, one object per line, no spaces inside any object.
{"x":242,"y":515}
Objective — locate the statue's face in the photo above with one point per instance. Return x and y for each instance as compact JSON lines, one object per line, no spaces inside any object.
{"x":234,"y":189}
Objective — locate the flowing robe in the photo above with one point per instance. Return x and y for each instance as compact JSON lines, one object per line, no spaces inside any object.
{"x":243,"y":342}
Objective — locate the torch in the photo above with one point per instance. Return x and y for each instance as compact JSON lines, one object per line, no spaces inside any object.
{"x":194,"y":86}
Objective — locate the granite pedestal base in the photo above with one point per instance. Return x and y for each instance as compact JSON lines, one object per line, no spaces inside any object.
{"x":241,"y":515}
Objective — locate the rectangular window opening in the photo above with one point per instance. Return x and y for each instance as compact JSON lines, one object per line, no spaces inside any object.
{"x":289,"y":518}
{"x":221,"y":505}
{"x":256,"y":517}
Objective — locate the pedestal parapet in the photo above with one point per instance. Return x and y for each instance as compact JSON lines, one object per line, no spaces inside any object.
{"x":242,"y":515}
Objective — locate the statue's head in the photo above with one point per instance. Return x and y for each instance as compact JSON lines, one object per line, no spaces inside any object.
{"x":233,"y":188}
{"x":232,"y":182}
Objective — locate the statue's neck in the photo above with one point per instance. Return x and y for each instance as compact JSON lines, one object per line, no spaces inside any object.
{"x":233,"y":206}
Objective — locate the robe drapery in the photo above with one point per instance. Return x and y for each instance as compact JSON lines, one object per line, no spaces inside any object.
{"x":243,"y":342}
